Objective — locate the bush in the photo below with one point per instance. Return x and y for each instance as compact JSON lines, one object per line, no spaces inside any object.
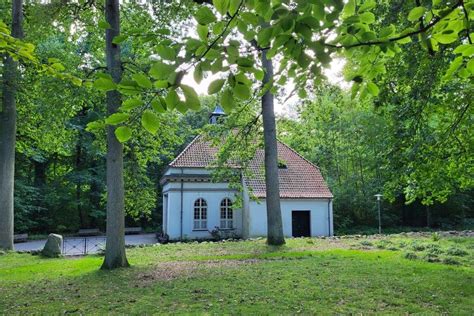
{"x":435,"y":236}
{"x":450,"y":260}
{"x":433,"y":249}
{"x":383,"y":244}
{"x":430,"y":257}
{"x":366,"y":243}
{"x":417,"y":247}
{"x":453,"y":251}
{"x":410,"y":255}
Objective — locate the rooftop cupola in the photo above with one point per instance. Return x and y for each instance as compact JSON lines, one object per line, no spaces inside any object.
{"x":216,"y":114}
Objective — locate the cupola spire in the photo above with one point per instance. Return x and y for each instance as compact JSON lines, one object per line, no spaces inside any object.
{"x":216,"y":114}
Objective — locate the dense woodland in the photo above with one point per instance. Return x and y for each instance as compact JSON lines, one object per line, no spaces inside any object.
{"x":409,"y":135}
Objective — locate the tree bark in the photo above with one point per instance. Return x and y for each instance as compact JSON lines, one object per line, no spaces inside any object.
{"x":115,"y":256}
{"x":8,"y":134}
{"x":274,"y":222}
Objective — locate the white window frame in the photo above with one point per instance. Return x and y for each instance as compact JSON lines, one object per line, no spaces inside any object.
{"x":200,"y":214}
{"x":226,"y":214}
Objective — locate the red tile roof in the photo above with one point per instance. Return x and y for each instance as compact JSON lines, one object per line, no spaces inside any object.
{"x":301,"y":178}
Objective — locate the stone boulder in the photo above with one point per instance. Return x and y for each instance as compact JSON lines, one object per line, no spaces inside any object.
{"x":53,"y":246}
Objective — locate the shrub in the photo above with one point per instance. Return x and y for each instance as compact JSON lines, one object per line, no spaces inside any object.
{"x":453,"y":251}
{"x":410,"y":255}
{"x":382,"y":244}
{"x":392,"y":248}
{"x":417,"y":247}
{"x":433,"y":249}
{"x":366,"y":243}
{"x":450,"y":260}
{"x":431,"y":258}
{"x":435,"y":236}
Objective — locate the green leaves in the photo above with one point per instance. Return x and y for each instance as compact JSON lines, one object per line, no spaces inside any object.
{"x":221,"y":6}
{"x":104,"y":84}
{"x":367,"y":17}
{"x":202,"y":31}
{"x":131,"y":104}
{"x":191,"y":97}
{"x":119,"y":39}
{"x":227,"y":100}
{"x":166,"y":52}
{"x":264,"y":36}
{"x":373,"y":89}
{"x":349,"y":9}
{"x":150,"y":121}
{"x":242,"y":91}
{"x":123,"y":133}
{"x":142,"y":80}
{"x":117,"y":118}
{"x":446,"y":37}
{"x":104,"y":25}
{"x":215,"y":86}
{"x":159,"y":105}
{"x":160,"y":70}
{"x":416,"y":13}
{"x":171,"y":99}
{"x":205,"y":16}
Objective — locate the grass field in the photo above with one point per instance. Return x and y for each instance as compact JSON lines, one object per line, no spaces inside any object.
{"x":393,"y":274}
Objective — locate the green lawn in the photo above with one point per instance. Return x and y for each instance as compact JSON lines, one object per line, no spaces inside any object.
{"x":396,"y":274}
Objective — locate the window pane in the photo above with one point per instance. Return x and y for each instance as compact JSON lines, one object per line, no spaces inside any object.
{"x":203,"y":224}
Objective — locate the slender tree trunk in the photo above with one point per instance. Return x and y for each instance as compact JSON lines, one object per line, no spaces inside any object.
{"x":8,"y":134}
{"x":428,"y":216}
{"x":274,"y":222}
{"x":115,"y":256}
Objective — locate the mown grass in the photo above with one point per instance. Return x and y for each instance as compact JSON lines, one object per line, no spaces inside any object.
{"x":305,"y":276}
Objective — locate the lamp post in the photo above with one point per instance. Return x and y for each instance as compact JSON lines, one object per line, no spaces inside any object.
{"x":379,"y":197}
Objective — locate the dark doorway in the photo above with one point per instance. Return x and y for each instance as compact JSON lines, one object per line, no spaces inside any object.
{"x":301,"y":221}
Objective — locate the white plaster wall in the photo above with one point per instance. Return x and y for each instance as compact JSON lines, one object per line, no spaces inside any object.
{"x":319,"y":216}
{"x":191,"y":192}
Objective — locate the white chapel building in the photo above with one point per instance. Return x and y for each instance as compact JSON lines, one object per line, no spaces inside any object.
{"x":193,"y":205}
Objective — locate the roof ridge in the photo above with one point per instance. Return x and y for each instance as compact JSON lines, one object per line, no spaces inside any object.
{"x":184,"y":150}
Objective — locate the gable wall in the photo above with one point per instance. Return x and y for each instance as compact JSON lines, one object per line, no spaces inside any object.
{"x":213,"y":193}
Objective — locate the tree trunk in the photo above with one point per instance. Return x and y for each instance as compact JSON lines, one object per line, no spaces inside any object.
{"x":8,"y":134}
{"x":428,"y":216}
{"x":115,"y":256}
{"x":274,"y":222}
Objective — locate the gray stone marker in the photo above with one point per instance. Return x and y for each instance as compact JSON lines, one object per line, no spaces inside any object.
{"x":53,"y":246}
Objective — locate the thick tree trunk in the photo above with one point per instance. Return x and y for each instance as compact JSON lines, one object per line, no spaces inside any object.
{"x":8,"y":134}
{"x":115,"y":256}
{"x":274,"y":222}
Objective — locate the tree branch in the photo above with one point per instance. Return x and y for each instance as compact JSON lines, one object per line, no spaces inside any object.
{"x":422,"y":29}
{"x":467,"y":22}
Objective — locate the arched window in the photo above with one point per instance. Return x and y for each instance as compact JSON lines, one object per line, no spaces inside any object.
{"x":227,"y":215}
{"x":200,"y":214}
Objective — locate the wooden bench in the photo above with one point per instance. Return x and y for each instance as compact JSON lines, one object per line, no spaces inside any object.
{"x":20,"y":237}
{"x":88,"y":232}
{"x":133,"y":230}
